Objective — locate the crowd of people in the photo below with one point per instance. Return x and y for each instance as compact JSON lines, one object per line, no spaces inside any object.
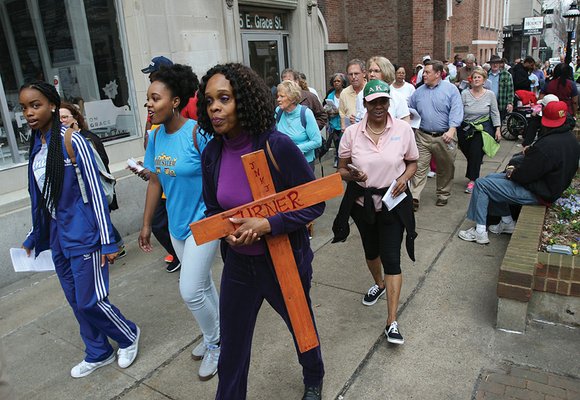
{"x":389,"y":136}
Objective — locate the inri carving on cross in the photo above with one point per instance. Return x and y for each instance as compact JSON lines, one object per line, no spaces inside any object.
{"x":267,"y":203}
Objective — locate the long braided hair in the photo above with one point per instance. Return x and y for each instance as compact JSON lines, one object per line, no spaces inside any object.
{"x":53,"y":182}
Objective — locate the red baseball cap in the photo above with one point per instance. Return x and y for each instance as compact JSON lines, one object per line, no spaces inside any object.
{"x":554,"y":114}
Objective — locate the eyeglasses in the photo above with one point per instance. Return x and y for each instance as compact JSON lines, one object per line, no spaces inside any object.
{"x":376,"y":71}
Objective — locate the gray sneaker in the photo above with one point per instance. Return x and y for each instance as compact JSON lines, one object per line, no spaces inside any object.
{"x":208,"y":367}
{"x":199,"y":351}
{"x":502,"y":227}
{"x":471,"y":235}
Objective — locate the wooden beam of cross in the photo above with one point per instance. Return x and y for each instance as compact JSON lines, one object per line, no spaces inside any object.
{"x":268,"y":203}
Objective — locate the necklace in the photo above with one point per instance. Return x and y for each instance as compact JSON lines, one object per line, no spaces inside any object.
{"x":376,"y":133}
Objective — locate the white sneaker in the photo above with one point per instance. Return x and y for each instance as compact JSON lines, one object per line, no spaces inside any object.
{"x":199,"y":351}
{"x":502,"y":227}
{"x":431,"y":174}
{"x":208,"y":367}
{"x":128,"y":354}
{"x":471,"y":235}
{"x":85,"y":368}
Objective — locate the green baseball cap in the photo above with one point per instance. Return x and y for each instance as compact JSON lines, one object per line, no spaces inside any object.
{"x":375,"y":89}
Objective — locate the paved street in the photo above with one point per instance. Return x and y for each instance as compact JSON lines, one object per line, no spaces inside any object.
{"x":447,"y":316}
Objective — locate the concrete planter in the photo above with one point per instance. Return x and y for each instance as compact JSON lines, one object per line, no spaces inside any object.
{"x":535,"y":284}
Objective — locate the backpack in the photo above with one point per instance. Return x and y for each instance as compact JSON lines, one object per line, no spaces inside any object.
{"x":108,"y":181}
{"x":324,"y":147}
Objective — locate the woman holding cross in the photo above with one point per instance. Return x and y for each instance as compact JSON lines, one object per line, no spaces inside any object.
{"x":234,"y":107}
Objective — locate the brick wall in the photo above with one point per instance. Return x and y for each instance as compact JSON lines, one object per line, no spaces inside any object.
{"x":525,"y":269}
{"x":402,"y":30}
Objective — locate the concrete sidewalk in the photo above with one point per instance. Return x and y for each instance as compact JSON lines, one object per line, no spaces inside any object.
{"x":447,"y":316}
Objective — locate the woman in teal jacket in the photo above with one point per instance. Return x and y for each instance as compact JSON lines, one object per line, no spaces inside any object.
{"x":297,"y":121}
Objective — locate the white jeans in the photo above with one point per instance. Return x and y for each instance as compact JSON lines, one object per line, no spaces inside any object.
{"x":196,"y":285}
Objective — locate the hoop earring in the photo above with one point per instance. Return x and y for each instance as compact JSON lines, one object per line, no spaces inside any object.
{"x":173,"y":112}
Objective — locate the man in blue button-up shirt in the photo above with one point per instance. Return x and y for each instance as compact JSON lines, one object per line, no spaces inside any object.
{"x":438,"y":102}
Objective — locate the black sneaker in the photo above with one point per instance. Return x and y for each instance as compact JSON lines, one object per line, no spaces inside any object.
{"x":173,"y":266}
{"x":393,"y":334}
{"x":373,"y":295}
{"x":122,"y":253}
{"x":312,"y":392}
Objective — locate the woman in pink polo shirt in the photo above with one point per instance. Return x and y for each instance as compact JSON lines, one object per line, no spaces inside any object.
{"x":374,"y":154}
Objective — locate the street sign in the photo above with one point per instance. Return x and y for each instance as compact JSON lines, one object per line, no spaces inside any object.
{"x":533,"y":26}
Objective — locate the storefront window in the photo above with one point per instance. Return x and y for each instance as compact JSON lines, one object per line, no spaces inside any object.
{"x":75,"y":45}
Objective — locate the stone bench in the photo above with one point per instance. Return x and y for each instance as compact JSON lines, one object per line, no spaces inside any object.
{"x":533,"y":284}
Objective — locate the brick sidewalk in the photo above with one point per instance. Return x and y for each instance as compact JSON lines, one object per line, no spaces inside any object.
{"x":525,"y":383}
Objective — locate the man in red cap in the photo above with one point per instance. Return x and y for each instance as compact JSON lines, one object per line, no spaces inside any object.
{"x":539,"y":176}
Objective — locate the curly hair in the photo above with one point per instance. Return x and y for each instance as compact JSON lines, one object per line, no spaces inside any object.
{"x":54,"y":180}
{"x":181,"y":81}
{"x":292,"y":91}
{"x":254,"y":105}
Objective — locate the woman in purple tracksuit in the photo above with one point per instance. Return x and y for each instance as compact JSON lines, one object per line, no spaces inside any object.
{"x":79,"y":232}
{"x":235,"y":107}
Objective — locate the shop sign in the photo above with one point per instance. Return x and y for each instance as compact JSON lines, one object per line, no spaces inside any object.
{"x":262,"y":20}
{"x":533,"y":26}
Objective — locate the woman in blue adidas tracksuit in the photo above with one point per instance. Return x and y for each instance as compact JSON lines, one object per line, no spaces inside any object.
{"x":79,"y":234}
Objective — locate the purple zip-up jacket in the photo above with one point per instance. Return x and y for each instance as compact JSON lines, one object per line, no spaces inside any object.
{"x":294,"y":171}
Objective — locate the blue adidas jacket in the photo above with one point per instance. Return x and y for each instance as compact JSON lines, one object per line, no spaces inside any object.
{"x":82,"y":228}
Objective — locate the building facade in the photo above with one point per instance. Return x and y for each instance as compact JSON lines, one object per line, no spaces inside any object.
{"x":404,"y":31}
{"x":93,"y":50}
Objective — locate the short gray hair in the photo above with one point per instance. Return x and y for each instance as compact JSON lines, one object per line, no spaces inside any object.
{"x":470,"y":57}
{"x":292,"y":90}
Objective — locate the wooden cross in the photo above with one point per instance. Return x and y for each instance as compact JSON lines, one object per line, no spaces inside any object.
{"x":268,"y":203}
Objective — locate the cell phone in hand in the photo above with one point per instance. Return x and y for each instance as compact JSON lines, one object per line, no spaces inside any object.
{"x":133,"y":164}
{"x":353,"y":168}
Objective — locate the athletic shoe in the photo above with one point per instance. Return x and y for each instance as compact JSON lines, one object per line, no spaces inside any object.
{"x":502,"y":227}
{"x":469,"y":187}
{"x":85,"y":368}
{"x":208,"y":367}
{"x":431,"y":174}
{"x":173,"y":266}
{"x":312,"y":392}
{"x":393,"y":334}
{"x":168,"y":258}
{"x":128,"y":354}
{"x":471,"y":235}
{"x":198,"y":351}
{"x":373,"y":295}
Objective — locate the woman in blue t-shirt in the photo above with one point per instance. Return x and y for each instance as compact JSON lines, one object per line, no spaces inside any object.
{"x":173,"y":156}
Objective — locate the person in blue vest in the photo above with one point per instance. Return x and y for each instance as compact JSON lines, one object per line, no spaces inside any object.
{"x":78,"y":232}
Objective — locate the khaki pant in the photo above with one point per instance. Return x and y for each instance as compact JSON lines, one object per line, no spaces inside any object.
{"x":434,"y":146}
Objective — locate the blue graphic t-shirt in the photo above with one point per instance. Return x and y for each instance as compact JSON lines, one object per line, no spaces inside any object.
{"x":177,"y":163}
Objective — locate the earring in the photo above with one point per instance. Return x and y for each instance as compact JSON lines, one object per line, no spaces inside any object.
{"x":53,"y":110}
{"x":174,"y":112}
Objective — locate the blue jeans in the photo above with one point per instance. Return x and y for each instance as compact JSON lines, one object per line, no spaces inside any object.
{"x":495,"y":193}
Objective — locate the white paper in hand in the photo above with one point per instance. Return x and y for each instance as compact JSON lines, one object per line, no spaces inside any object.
{"x":22,"y":263}
{"x":390,"y":201}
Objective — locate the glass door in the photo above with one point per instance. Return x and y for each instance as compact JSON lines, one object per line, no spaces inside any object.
{"x":267,"y":54}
